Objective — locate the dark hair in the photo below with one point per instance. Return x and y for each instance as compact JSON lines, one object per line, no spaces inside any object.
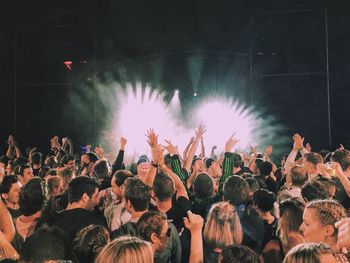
{"x":43,"y":171}
{"x":313,"y":158}
{"x":31,"y":197}
{"x":264,"y":200}
{"x":80,"y":185}
{"x":209,"y":162}
{"x":4,"y":159}
{"x":237,"y":160}
{"x":253,"y":184}
{"x":138,"y":193}
{"x":298,"y":175}
{"x":342,"y":157}
{"x":52,"y":183}
{"x":101,"y":169}
{"x":66,"y":158}
{"x":314,"y":190}
{"x":37,"y":157}
{"x":236,"y":190}
{"x":120,"y":176}
{"x":7,"y":183}
{"x":46,"y":243}
{"x":203,"y":186}
{"x":89,"y":242}
{"x":51,"y":162}
{"x":19,"y":169}
{"x":265,"y":168}
{"x":238,"y":254}
{"x":163,"y":187}
{"x":149,"y":223}
{"x":92,"y":157}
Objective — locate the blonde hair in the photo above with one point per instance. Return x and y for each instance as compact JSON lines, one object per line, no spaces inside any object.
{"x":223,"y":227}
{"x":307,"y":253}
{"x":126,"y":249}
{"x":328,"y":211}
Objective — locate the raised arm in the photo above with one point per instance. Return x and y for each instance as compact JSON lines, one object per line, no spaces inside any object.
{"x":342,"y":177}
{"x":184,"y":155}
{"x":202,"y":154}
{"x":227,"y":165}
{"x":152,"y":140}
{"x":199,"y":135}
{"x":175,"y":161}
{"x":194,"y":223}
{"x":118,"y":163}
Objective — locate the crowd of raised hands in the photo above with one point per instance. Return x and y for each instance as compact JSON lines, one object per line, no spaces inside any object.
{"x":174,"y":206}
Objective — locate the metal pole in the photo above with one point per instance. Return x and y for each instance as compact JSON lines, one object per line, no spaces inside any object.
{"x":328,"y":87}
{"x":15,"y":81}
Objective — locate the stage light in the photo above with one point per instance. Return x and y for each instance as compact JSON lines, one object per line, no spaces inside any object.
{"x":195,"y":94}
{"x":68,"y":64}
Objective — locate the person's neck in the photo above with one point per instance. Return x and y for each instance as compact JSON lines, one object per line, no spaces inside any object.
{"x":164,"y":206}
{"x":75,"y":205}
{"x":236,"y":169}
{"x":332,"y":243}
{"x":36,"y":166}
{"x":267,"y":217}
{"x":137,"y":215}
{"x":13,"y":206}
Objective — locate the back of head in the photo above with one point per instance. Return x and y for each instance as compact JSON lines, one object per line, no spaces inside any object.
{"x":236,"y":190}
{"x":120,"y":176}
{"x":101,"y":170}
{"x":253,"y":184}
{"x":237,"y":160}
{"x":265,"y":168}
{"x":291,"y":217}
{"x":307,"y":253}
{"x":342,"y":157}
{"x":149,"y":223}
{"x":138,"y":193}
{"x":163,"y":187}
{"x":264,"y":200}
{"x":126,"y":249}
{"x":37,"y":158}
{"x":80,"y":185}
{"x":223,"y":227}
{"x":313,"y":157}
{"x":238,"y":254}
{"x":298,"y":175}
{"x":31,"y":197}
{"x":46,"y":243}
{"x":203,"y":186}
{"x":89,"y":242}
{"x":314,"y":190}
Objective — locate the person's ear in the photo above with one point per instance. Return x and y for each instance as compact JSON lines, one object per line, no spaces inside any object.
{"x":154,"y":239}
{"x":330,"y":230}
{"x":4,"y":196}
{"x":85,"y":198}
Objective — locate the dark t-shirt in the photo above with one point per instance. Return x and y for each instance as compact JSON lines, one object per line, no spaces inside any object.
{"x":178,"y":211}
{"x":72,"y":221}
{"x":14,"y":212}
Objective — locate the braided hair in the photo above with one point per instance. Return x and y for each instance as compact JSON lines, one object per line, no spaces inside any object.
{"x":328,"y":211}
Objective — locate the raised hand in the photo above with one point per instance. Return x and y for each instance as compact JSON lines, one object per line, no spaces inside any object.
{"x":123,"y":142}
{"x":254,"y":151}
{"x":193,"y":222}
{"x":298,"y":142}
{"x":152,"y":138}
{"x":172,"y":149}
{"x":230,"y":143}
{"x":100,"y":152}
{"x":268,"y":150}
{"x":343,"y":233}
{"x":200,"y":131}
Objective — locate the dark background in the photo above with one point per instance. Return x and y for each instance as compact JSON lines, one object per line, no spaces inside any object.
{"x":282,"y":43}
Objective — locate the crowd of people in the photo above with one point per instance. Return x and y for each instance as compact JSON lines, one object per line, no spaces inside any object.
{"x":174,"y":207}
